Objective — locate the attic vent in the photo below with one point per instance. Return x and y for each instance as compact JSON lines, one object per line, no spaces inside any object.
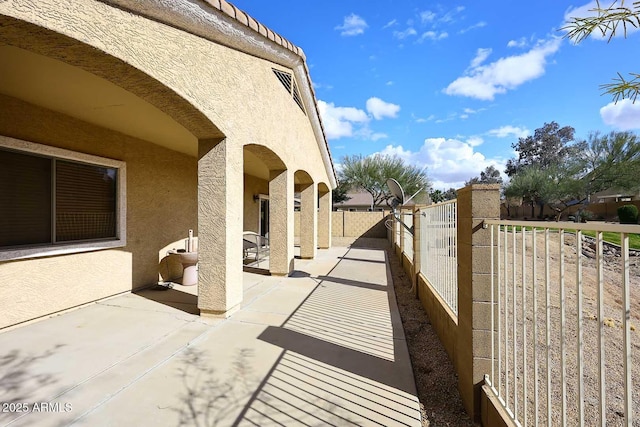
{"x":289,"y":83}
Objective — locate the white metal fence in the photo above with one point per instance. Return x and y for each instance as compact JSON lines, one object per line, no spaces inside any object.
{"x":438,"y":250}
{"x":408,"y":237}
{"x":566,"y":308}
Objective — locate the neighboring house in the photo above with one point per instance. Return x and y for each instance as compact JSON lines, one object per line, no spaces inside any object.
{"x":614,"y":195}
{"x":127,"y":123}
{"x":360,"y":201}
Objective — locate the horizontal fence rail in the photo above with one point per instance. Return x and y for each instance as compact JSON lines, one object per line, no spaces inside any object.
{"x":438,"y":250}
{"x":565,"y":313}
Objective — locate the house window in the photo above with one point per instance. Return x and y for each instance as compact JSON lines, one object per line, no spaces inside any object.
{"x":54,"y":200}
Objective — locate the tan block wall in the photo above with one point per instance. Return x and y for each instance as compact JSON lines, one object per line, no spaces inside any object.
{"x":443,"y":320}
{"x":337,"y":224}
{"x":161,"y":208}
{"x":353,"y":224}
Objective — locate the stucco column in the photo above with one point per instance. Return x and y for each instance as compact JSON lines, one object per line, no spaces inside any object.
{"x":476,"y":203}
{"x":281,"y":222}
{"x":308,"y":221}
{"x":219,"y":227}
{"x":324,"y":220}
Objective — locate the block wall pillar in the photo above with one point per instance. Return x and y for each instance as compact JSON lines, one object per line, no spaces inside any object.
{"x":476,"y":203}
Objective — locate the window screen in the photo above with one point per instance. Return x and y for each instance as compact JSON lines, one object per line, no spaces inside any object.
{"x":25,"y":199}
{"x":31,"y":186}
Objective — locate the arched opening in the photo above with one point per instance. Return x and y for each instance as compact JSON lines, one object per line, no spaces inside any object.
{"x":69,"y":103}
{"x":265,"y":221}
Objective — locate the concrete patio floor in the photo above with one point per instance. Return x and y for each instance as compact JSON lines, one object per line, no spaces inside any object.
{"x":322,"y":347}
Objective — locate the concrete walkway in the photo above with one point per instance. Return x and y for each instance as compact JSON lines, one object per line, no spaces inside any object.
{"x":323,"y":347}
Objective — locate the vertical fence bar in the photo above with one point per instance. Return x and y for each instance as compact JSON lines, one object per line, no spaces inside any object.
{"x":524,"y":327}
{"x":535,"y":325}
{"x":563,"y":321}
{"x":579,"y":356}
{"x":601,"y":353}
{"x":626,"y":317}
{"x":493,"y":309}
{"x":506,"y":313}
{"x":499,"y":317}
{"x":547,"y":276}
{"x":514,"y":325}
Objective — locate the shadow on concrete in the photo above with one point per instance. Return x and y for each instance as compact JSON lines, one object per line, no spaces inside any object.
{"x":375,"y":261}
{"x":344,"y":360}
{"x":20,"y":381}
{"x":350,"y":282}
{"x":208,"y":397}
{"x":179,"y":300}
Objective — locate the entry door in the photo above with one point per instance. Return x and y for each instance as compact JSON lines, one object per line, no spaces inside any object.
{"x":264,"y":217}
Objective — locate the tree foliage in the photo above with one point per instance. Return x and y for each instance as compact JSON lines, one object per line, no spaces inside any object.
{"x":603,"y":162}
{"x":609,"y":21}
{"x":611,"y":161}
{"x":371,"y":174}
{"x":549,"y":146}
{"x":490,"y":175}
{"x":339,"y":195}
{"x":438,"y":196}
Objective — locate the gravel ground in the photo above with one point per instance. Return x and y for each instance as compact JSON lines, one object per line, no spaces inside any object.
{"x":436,"y":379}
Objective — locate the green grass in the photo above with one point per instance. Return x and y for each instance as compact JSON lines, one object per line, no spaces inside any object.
{"x":634,"y":239}
{"x":610,"y":237}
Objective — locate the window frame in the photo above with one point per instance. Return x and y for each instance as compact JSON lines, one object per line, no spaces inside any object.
{"x":64,"y":248}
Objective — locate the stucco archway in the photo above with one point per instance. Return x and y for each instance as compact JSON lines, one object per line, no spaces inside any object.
{"x":60,"y":92}
{"x":266,"y":175}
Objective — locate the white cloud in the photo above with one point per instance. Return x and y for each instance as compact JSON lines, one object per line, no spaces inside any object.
{"x":480,"y":24}
{"x":587,"y":10}
{"x":625,"y":115}
{"x":433,"y":35}
{"x":390,"y":83}
{"x":380,"y":109}
{"x":450,"y":16}
{"x":352,"y":25}
{"x":507,"y":131}
{"x":450,"y":162}
{"x":390,"y":23}
{"x":339,"y":121}
{"x":404,"y":34}
{"x":481,"y":55}
{"x":522,"y":42}
{"x":485,"y":81}
{"x":427,"y":16}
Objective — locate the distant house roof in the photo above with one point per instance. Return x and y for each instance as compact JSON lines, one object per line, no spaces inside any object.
{"x":362,"y":199}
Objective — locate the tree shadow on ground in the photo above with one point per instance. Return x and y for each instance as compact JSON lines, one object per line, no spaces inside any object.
{"x":20,"y":381}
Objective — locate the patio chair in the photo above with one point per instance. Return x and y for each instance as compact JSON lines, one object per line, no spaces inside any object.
{"x":254,"y":246}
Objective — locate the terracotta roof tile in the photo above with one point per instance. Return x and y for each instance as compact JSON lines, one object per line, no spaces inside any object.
{"x":228,"y":8}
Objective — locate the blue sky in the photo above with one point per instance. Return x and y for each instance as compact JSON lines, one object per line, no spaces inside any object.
{"x":451,"y":85}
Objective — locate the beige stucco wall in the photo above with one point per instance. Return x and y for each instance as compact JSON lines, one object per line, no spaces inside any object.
{"x":253,"y":186}
{"x":235,"y":91}
{"x":239,"y":93}
{"x":161,"y":208}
